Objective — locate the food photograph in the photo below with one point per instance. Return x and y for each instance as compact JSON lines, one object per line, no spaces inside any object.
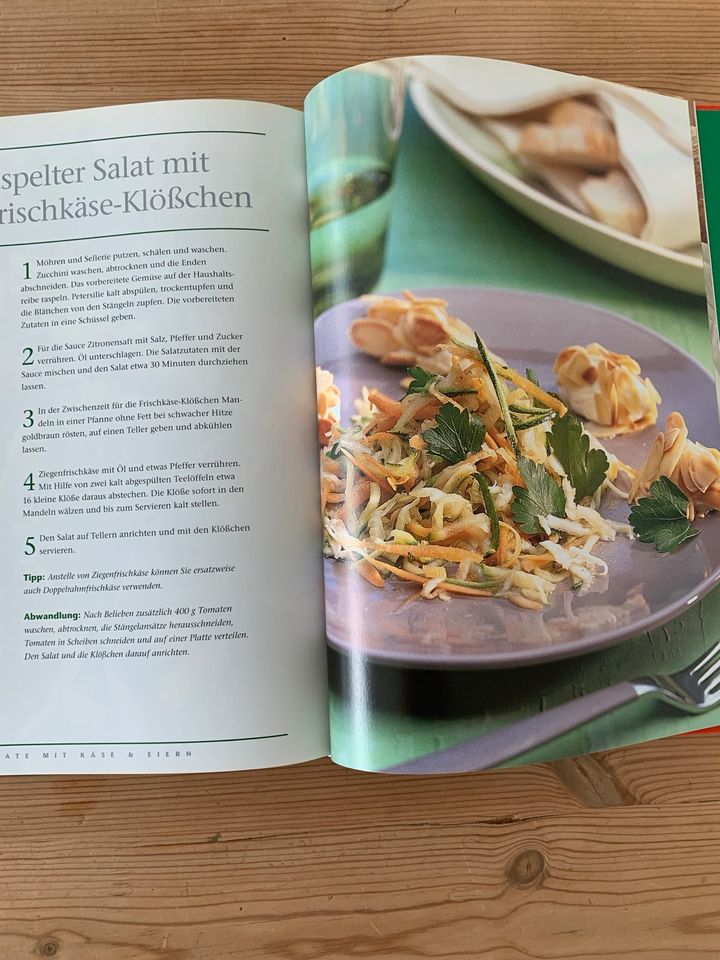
{"x":517,"y":414}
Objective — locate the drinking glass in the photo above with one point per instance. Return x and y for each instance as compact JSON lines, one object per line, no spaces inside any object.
{"x":353,"y":123}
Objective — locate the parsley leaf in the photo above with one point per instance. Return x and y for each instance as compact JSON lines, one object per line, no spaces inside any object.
{"x":532,"y":377}
{"x":586,"y":469}
{"x":456,"y":434}
{"x":662,"y":517}
{"x":540,"y":496}
{"x":421,"y":380}
{"x":334,"y":451}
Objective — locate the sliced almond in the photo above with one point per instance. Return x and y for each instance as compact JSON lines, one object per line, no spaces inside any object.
{"x":372,"y":336}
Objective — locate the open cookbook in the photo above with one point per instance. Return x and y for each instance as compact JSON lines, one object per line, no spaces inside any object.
{"x":386,"y":430}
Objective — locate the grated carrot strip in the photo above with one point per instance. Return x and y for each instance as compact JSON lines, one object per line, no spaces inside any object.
{"x":415,"y":578}
{"x":363,"y":468}
{"x":384,"y":403}
{"x":431,"y":552}
{"x":529,"y":387}
{"x":397,"y":571}
{"x":369,"y":573}
{"x":540,"y":560}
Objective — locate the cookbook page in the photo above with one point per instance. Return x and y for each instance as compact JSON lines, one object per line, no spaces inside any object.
{"x":517,"y":415}
{"x":157,"y":398}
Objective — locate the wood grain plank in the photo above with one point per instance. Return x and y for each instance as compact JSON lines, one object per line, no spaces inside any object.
{"x":88,"y":52}
{"x":611,"y":857}
{"x":313,"y":862}
{"x":301,"y":799}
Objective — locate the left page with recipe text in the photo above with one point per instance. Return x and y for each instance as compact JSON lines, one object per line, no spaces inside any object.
{"x":157,"y":386}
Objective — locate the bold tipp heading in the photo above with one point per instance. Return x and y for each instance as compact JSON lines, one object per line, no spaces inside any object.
{"x":22,"y":200}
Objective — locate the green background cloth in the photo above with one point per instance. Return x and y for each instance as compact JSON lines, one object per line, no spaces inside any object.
{"x":448,"y":229}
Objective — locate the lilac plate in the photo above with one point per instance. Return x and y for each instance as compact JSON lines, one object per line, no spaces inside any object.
{"x":643,"y":589}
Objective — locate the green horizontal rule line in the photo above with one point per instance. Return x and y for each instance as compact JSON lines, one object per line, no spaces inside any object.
{"x":132,"y":233}
{"x":145,"y":743}
{"x":132,"y":136}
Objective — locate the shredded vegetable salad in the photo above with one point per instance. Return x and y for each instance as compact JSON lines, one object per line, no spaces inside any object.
{"x":477,"y":483}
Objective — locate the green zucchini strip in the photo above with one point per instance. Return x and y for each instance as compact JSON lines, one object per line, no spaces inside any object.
{"x":502,"y":399}
{"x":533,"y":421}
{"x":490,"y":510}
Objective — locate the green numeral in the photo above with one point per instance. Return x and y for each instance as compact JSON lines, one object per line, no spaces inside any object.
{"x":29,"y":546}
{"x":29,"y":482}
{"x":27,"y":353}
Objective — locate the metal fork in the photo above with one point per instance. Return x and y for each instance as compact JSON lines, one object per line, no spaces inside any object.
{"x":694,"y":690}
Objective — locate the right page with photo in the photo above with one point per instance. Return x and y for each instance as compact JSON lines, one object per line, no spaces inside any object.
{"x":517,"y":416}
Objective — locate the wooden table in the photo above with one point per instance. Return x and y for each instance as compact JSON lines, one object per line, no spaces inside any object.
{"x":610,"y":856}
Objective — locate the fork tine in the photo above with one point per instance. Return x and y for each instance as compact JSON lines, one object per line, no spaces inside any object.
{"x":710,"y":673}
{"x":712,"y":686}
{"x":710,"y":655}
